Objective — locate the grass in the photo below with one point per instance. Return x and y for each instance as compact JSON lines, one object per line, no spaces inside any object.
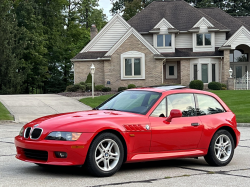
{"x":238,"y":101}
{"x":96,"y":101}
{"x":4,"y":113}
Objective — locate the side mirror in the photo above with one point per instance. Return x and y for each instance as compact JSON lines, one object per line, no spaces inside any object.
{"x":174,"y":114}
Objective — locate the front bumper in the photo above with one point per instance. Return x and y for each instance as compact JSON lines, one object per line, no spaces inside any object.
{"x":237,"y":133}
{"x":76,"y":150}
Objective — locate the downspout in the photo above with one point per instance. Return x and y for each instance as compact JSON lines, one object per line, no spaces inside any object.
{"x":162,"y":72}
{"x":220,"y":69}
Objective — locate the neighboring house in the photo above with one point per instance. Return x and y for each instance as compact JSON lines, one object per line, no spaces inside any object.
{"x":169,"y":42}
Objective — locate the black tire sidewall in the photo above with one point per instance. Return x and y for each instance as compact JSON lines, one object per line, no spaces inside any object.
{"x":211,"y":151}
{"x":91,"y":164}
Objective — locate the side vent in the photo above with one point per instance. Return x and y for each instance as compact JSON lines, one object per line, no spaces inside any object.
{"x":134,"y":128}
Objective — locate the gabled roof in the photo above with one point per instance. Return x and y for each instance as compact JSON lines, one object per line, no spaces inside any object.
{"x":90,"y":55}
{"x":130,"y":32}
{"x":178,"y":13}
{"x":203,"y":21}
{"x":117,"y":19}
{"x":163,"y":23}
{"x":243,"y":34}
{"x":229,"y":21}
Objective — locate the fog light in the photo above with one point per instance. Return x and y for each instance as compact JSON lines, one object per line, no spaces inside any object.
{"x":61,"y":154}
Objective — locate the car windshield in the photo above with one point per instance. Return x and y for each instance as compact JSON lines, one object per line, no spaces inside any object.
{"x":135,"y":101}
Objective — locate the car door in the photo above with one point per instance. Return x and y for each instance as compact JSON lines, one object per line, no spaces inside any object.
{"x":181,"y":133}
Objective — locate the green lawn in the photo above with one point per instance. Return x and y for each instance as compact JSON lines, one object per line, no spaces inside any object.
{"x":237,"y":100}
{"x":4,"y":113}
{"x":96,"y":101}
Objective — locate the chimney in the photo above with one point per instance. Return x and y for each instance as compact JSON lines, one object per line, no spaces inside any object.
{"x":93,"y":31}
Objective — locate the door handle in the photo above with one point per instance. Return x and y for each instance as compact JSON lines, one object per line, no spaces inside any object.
{"x":195,"y":124}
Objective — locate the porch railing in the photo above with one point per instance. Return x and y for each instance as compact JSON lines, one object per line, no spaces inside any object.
{"x":242,"y":83}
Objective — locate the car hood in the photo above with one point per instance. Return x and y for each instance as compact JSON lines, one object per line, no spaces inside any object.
{"x":77,"y":120}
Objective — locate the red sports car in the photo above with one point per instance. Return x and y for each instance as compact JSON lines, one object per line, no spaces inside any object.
{"x":135,"y":125}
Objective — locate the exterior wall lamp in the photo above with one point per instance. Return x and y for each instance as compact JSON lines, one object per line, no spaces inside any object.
{"x":230,"y":72}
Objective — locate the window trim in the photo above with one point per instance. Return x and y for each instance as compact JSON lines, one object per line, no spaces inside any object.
{"x":132,"y":55}
{"x":175,"y":70}
{"x":164,"y":44}
{"x":203,"y":40}
{"x":133,"y":67}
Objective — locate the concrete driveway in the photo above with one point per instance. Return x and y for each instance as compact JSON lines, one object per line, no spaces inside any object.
{"x":26,"y":108}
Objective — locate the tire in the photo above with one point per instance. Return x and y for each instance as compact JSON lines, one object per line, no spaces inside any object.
{"x":105,"y":155}
{"x":221,"y":149}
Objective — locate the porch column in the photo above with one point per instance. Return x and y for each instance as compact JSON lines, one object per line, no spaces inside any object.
{"x":185,"y":72}
{"x":225,"y":67}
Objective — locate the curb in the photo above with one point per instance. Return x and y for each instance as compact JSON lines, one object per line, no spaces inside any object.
{"x":243,"y":124}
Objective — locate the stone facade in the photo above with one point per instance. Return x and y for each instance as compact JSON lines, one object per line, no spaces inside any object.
{"x":82,"y":69}
{"x":112,"y":69}
{"x":185,"y":72}
{"x":225,"y":67}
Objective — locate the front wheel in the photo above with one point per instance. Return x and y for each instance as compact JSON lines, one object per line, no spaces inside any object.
{"x":105,"y":155}
{"x":221,"y":149}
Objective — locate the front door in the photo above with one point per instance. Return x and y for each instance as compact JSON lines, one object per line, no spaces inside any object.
{"x":181,"y":133}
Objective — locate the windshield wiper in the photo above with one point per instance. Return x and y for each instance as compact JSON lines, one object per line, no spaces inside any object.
{"x":110,"y":109}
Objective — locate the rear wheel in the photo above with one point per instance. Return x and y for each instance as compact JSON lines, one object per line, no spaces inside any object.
{"x":105,"y":155}
{"x":221,"y":149}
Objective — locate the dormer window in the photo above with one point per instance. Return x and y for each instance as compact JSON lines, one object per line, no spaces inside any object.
{"x":203,"y":39}
{"x":164,"y":40}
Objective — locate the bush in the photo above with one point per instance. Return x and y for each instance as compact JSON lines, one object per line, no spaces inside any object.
{"x":72,"y":88}
{"x":121,"y":89}
{"x":99,"y":87}
{"x":214,"y":86}
{"x":89,"y":78}
{"x":196,"y":84}
{"x":82,"y":87}
{"x":223,"y":85}
{"x":223,"y":88}
{"x":131,"y":86}
{"x":82,"y":83}
{"x":106,"y":89}
{"x":88,"y":86}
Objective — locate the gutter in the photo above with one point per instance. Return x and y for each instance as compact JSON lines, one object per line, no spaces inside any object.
{"x":188,"y":57}
{"x":85,"y":60}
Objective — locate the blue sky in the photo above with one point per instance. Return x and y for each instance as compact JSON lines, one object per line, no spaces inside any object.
{"x":106,"y":6}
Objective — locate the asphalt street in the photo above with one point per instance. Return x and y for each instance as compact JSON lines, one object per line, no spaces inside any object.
{"x":179,"y":172}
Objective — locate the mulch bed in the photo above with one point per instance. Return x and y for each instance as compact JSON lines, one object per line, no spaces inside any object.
{"x":84,"y":94}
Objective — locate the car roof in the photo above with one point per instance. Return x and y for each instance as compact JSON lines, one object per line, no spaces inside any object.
{"x":161,"y":88}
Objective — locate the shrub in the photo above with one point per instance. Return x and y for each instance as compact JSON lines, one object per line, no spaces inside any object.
{"x":223,"y":85}
{"x":88,"y":86}
{"x":99,"y":87}
{"x":106,"y":89}
{"x":121,"y":89}
{"x":223,"y":88}
{"x":131,"y":86}
{"x":89,"y":78}
{"x":82,"y":83}
{"x":196,"y":84}
{"x":214,"y":86}
{"x":72,"y":88}
{"x":82,"y":87}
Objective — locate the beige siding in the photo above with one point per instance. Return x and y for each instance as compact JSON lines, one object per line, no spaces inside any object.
{"x":149,"y":38}
{"x":184,"y":41}
{"x":110,"y":37}
{"x":220,"y":39}
{"x":241,"y":39}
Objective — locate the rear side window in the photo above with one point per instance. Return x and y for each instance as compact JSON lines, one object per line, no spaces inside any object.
{"x":183,"y":102}
{"x":208,"y":105}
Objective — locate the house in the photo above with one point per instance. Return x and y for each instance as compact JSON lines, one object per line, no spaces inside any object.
{"x":168,"y":42}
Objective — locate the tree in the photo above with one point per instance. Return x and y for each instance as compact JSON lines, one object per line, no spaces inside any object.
{"x":11,"y":49}
{"x":35,"y":64}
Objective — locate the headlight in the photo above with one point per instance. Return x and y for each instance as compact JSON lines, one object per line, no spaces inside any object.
{"x":65,"y":136}
{"x":21,"y":132}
